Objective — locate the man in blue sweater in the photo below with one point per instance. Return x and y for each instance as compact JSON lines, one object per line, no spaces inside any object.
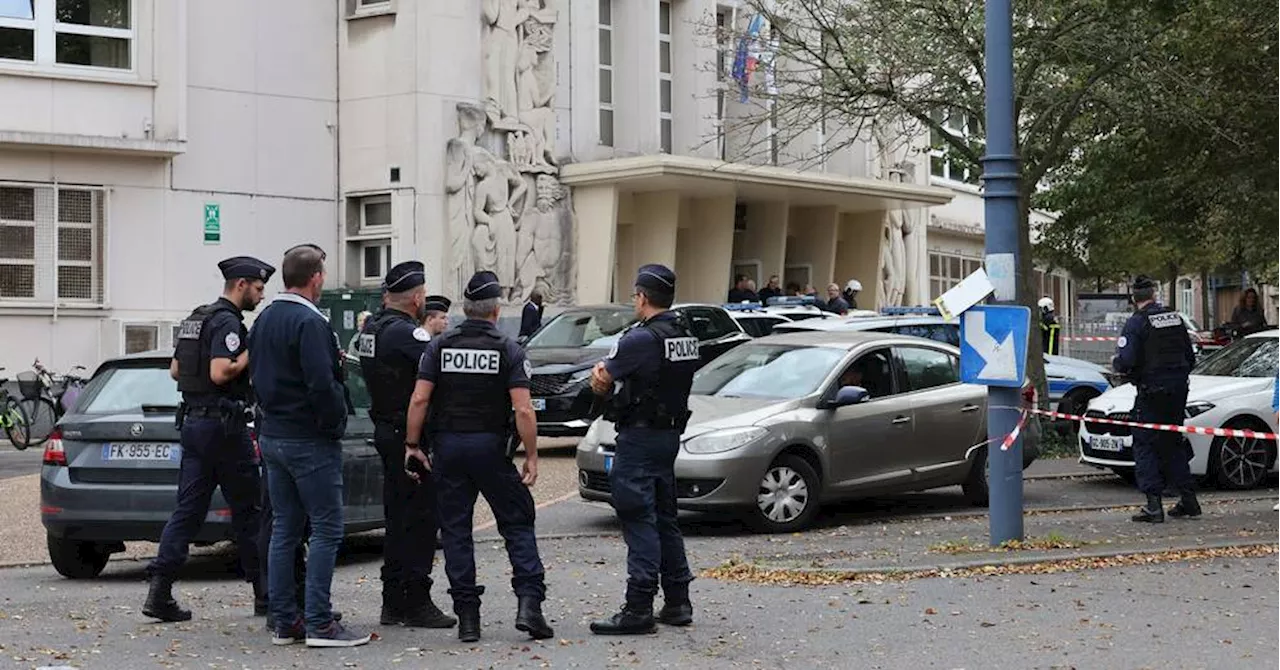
{"x":296,"y":368}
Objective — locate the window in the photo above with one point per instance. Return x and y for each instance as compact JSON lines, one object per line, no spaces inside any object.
{"x":375,"y":261}
{"x":375,"y":214}
{"x":1187,"y":296}
{"x":139,"y":338}
{"x":369,"y":232}
{"x":81,"y":33}
{"x":766,"y":371}
{"x":664,"y":76}
{"x":937,"y":332}
{"x":51,"y":244}
{"x":965,"y":127}
{"x":928,"y":368}
{"x":759,"y":326}
{"x":124,"y":389}
{"x":946,"y":270}
{"x":872,"y":371}
{"x":604,"y":34}
{"x":1250,"y":357}
{"x":724,"y":51}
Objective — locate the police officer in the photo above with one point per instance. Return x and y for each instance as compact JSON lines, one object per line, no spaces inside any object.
{"x":1155,"y":352}
{"x":389,"y":347}
{"x":472,"y":377}
{"x":437,"y":319}
{"x":654,"y":361}
{"x":209,"y":364}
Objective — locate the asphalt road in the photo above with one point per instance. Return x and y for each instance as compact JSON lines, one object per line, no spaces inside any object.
{"x":14,"y":463}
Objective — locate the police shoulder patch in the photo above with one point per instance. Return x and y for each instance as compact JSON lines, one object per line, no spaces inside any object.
{"x":421,"y":335}
{"x":528,"y":368}
{"x":1123,"y":341}
{"x":613,"y":351}
{"x":233,"y":342}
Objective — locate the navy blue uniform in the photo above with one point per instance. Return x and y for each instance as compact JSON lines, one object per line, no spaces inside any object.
{"x":1155,"y":351}
{"x":530,"y":319}
{"x":390,"y":348}
{"x":472,"y":369}
{"x":655,"y":362}
{"x":216,"y":448}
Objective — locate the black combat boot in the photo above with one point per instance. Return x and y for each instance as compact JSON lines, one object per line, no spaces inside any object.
{"x":420,"y":611}
{"x":635,"y":618}
{"x":468,"y":622}
{"x":529,"y":619}
{"x":1186,"y":507}
{"x":1152,"y":513}
{"x":261,"y":603}
{"x":392,"y":603}
{"x":676,"y":608}
{"x":160,"y":603}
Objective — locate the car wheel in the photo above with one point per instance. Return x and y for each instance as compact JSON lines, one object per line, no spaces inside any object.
{"x":1239,"y":462}
{"x":787,"y":499}
{"x":975,"y":486}
{"x":1128,"y":474}
{"x":75,"y":559}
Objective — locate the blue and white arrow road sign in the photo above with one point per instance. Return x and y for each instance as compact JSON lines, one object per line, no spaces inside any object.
{"x":993,"y":345}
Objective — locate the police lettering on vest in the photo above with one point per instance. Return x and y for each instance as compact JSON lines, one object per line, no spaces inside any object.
{"x":1165,"y":320}
{"x":388,"y":372}
{"x":681,"y":349}
{"x":193,"y":353}
{"x":367,"y":345}
{"x":470,"y":361}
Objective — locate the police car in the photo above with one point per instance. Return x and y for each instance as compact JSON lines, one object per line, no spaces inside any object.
{"x":1231,"y":389}
{"x":564,"y":350}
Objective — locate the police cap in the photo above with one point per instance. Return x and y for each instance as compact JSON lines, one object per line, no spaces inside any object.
{"x":1143,"y":282}
{"x":245,"y":267}
{"x":483,"y":286}
{"x":405,"y":276}
{"x":657,"y":277}
{"x":437,"y":303}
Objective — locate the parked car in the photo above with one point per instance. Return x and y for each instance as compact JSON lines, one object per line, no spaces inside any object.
{"x":1231,"y":389}
{"x":756,"y":322}
{"x":110,"y":472}
{"x":564,"y":350}
{"x":1072,"y":382}
{"x":786,"y":423}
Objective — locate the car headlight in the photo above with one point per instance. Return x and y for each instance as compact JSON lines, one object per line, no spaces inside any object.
{"x":1198,"y":408}
{"x":718,"y":441}
{"x":579,"y":376}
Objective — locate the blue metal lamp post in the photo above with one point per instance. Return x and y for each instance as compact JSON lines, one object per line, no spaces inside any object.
{"x":1001,"y":177}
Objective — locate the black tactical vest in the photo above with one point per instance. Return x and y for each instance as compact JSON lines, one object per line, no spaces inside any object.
{"x":472,"y":394}
{"x":1164,"y":351}
{"x":390,"y":382}
{"x":193,"y":353}
{"x":663,"y":401}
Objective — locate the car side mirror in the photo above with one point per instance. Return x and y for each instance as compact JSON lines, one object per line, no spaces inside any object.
{"x":848,"y":395}
{"x":522,"y":340}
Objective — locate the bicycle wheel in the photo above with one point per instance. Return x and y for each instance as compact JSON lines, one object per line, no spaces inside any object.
{"x":41,"y":417}
{"x":15,"y":424}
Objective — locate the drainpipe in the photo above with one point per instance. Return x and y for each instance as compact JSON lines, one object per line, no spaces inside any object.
{"x":339,"y":209}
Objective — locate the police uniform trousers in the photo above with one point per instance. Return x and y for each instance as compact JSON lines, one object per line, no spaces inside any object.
{"x":216,"y":452}
{"x":643,"y":485}
{"x":1159,"y":456}
{"x":410,"y":511}
{"x":467,"y":464}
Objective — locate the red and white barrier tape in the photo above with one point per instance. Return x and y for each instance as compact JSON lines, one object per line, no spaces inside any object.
{"x":1195,"y":430}
{"x":1091,"y":339}
{"x":1017,"y":429}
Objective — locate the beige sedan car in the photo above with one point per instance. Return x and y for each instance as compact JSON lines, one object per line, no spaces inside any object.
{"x":787,"y":422}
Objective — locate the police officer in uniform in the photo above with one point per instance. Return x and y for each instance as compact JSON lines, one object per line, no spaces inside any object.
{"x":654,"y":361}
{"x":389,"y":347}
{"x":472,"y":377}
{"x":437,"y":319}
{"x":1155,"y":352}
{"x":210,"y":363}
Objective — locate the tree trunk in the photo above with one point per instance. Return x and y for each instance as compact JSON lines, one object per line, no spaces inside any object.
{"x":1029,"y":295}
{"x":1206,"y":321}
{"x":1172,"y":302}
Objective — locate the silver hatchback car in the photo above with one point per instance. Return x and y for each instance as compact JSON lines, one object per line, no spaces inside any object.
{"x":786,"y":422}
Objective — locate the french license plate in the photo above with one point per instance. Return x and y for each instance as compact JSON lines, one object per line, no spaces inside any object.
{"x":539,"y":404}
{"x":608,"y":464}
{"x":141,"y":451}
{"x":1106,"y":444}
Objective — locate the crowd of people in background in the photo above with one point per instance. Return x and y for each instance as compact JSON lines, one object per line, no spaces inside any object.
{"x":837,"y":300}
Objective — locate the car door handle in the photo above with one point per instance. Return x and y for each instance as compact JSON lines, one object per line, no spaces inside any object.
{"x":970,"y":408}
{"x":902,"y":419}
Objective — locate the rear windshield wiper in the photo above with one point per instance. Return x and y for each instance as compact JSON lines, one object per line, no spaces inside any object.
{"x":156,"y":409}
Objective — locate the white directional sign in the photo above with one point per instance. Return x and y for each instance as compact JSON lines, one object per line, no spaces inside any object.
{"x":993,"y":345}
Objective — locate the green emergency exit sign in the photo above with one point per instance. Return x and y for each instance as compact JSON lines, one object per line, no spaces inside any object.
{"x":212,"y":223}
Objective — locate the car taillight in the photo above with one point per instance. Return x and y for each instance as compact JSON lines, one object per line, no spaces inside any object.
{"x":54,"y":453}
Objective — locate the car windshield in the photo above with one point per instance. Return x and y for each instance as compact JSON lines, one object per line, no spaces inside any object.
{"x":128,"y":389}
{"x":767,"y":371}
{"x":597,"y":328}
{"x":1250,"y":357}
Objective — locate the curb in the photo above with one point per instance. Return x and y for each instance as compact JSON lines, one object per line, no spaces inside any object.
{"x":1019,"y":560}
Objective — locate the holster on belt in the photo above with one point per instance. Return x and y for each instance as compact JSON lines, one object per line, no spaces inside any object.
{"x":512,"y":438}
{"x":180,"y":417}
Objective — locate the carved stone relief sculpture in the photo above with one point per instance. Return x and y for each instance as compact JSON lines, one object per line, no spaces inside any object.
{"x":506,"y":209}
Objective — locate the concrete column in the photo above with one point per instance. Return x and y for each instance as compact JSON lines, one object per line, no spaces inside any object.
{"x":656,"y":216}
{"x":814,"y":234}
{"x":858,"y":248}
{"x":596,"y":212}
{"x":765,"y":238}
{"x":635,"y":76}
{"x":705,"y":258}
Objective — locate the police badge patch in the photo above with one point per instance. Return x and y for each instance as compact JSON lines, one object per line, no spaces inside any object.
{"x":528,"y":368}
{"x":232,"y":342}
{"x":1122,"y":341}
{"x":614,"y":350}
{"x":421,"y":335}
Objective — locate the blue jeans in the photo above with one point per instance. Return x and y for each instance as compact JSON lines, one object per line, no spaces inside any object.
{"x":304,"y":478}
{"x":643,"y":482}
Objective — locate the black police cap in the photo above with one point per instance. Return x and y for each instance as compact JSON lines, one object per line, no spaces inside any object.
{"x":656,"y":277}
{"x":245,"y":267}
{"x":1143,"y":282}
{"x":405,"y":276}
{"x":483,"y":286}
{"x":437,"y":303}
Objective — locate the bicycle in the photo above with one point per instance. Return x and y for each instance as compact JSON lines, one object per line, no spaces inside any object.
{"x":13,"y":419}
{"x":42,"y":403}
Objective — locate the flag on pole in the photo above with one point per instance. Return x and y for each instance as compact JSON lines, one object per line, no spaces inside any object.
{"x":744,"y":61}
